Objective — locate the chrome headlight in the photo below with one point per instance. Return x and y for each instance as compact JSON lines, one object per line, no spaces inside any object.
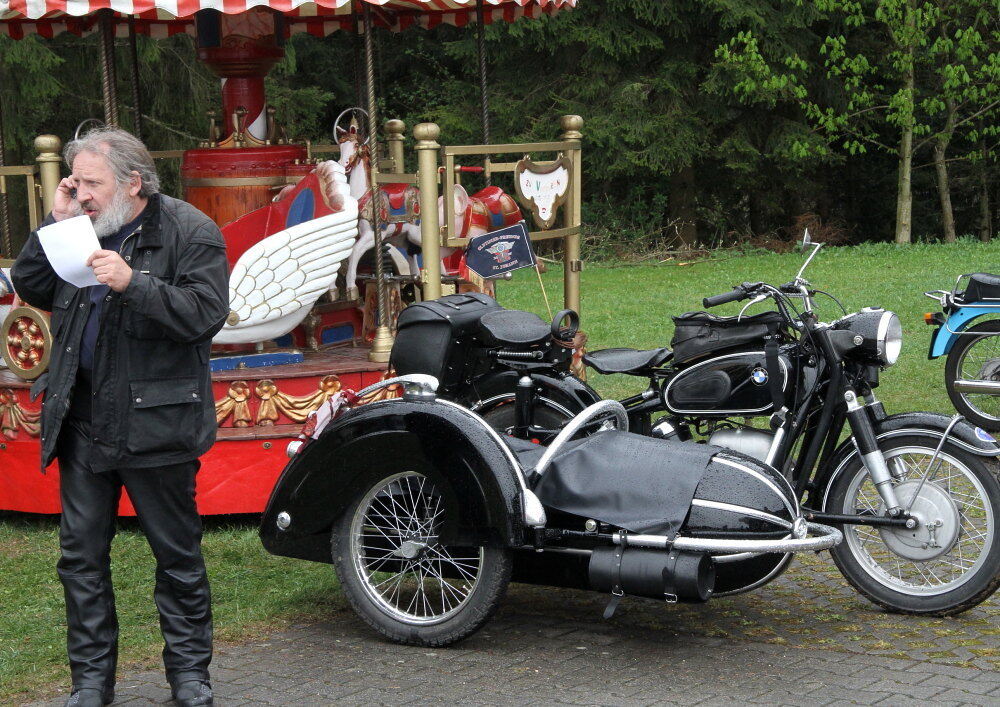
{"x":878,"y":335}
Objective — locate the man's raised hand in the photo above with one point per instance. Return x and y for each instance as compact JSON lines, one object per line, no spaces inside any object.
{"x":110,"y":269}
{"x":64,"y":202}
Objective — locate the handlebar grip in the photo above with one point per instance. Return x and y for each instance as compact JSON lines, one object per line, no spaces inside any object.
{"x":734,"y":296}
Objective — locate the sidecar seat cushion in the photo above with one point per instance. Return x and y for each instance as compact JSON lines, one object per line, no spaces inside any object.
{"x":982,"y":287}
{"x":505,"y":327}
{"x":626,"y":360}
{"x":639,"y":483}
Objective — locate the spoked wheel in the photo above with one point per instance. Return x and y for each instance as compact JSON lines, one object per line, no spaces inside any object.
{"x":401,"y":579}
{"x":976,"y":357}
{"x":950,"y":561}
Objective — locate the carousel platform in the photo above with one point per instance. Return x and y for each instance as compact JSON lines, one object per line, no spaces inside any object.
{"x":258,"y":411}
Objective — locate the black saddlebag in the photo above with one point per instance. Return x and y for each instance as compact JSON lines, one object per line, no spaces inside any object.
{"x":982,"y":288}
{"x":697,"y":334}
{"x":439,"y":338}
{"x":639,"y":483}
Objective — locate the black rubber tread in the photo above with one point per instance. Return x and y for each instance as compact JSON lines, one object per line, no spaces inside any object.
{"x":496,"y":571}
{"x":968,"y":595}
{"x":951,"y":373}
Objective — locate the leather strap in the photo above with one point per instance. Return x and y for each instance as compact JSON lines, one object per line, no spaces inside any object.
{"x":616,"y":590}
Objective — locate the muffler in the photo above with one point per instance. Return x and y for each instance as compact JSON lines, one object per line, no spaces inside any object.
{"x":668,"y":575}
{"x":977,"y":386}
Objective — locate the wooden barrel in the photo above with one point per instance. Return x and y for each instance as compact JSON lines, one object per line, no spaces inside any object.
{"x":227,"y":183}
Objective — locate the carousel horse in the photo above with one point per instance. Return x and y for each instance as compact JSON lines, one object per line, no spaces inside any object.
{"x":399,"y":211}
{"x":309,"y":230}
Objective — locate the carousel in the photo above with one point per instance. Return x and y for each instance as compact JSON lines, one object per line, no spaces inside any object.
{"x":323,"y":253}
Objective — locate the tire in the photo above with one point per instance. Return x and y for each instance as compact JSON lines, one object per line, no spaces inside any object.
{"x":889,"y":566}
{"x":501,"y":417}
{"x":976,"y":353}
{"x":400,"y":580}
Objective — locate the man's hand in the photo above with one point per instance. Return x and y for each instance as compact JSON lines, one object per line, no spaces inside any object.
{"x":110,"y":269}
{"x":64,"y":202}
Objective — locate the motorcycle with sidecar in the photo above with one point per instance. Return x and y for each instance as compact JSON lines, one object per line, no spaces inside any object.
{"x":916,"y":494}
{"x":427,"y":512}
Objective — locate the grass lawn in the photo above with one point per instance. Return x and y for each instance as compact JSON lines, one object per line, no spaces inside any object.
{"x":623,"y":305}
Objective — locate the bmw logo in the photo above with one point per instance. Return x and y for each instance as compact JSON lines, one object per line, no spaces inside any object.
{"x":758,"y":376}
{"x":984,"y":435}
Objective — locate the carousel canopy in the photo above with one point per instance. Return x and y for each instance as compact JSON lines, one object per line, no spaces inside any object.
{"x":162,"y":18}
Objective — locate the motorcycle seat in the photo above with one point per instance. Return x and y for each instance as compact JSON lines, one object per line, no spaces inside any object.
{"x":982,"y":286}
{"x":630,"y":361}
{"x":511,"y":327}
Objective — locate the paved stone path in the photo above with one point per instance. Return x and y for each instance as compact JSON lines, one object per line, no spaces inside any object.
{"x":806,"y":639}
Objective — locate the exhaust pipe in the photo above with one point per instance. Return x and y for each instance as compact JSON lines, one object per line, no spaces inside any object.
{"x":977,"y":386}
{"x":669,"y":575}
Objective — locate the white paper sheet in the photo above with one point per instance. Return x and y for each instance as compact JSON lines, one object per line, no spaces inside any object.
{"x":67,"y":245}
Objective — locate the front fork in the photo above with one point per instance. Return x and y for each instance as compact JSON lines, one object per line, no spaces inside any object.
{"x":871,"y":455}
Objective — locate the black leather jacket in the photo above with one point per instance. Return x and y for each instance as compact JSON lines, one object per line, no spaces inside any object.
{"x":152,"y":392}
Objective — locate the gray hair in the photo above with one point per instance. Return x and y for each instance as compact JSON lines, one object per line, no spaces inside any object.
{"x":124,"y":152}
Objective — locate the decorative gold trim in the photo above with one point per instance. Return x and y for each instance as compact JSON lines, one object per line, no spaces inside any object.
{"x":236,"y":404}
{"x":14,"y":418}
{"x":26,"y":342}
{"x":296,"y":408}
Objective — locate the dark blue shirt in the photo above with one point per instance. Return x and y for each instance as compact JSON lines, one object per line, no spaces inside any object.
{"x":96,"y":294}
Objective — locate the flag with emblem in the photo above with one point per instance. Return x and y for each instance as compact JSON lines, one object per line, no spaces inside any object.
{"x":498,"y":252}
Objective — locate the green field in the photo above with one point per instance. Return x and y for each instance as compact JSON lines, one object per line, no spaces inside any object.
{"x":623,"y":305}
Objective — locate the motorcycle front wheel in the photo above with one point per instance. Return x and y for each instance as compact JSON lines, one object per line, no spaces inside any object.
{"x":948,"y":563}
{"x":974,"y":357}
{"x":400,"y":579}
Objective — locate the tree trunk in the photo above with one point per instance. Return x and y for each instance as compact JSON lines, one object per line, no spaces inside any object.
{"x":683,"y":193}
{"x":985,"y":214}
{"x":904,"y":192}
{"x":944,"y":193}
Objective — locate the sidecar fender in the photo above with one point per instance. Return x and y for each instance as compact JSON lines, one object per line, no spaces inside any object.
{"x":486,"y":499}
{"x":964,"y":435}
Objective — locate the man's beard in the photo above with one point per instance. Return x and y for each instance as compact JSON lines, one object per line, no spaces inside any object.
{"x":111,"y":219}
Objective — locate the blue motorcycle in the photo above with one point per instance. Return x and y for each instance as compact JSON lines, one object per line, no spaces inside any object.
{"x":972,"y":368}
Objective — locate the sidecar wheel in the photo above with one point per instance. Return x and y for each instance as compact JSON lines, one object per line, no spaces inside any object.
{"x":941,"y":571}
{"x":400,"y":579}
{"x":976,"y":356}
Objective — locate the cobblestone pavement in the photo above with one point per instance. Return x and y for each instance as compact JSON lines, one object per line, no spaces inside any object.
{"x":806,"y":639}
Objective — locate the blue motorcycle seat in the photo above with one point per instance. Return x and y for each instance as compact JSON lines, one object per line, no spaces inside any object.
{"x":631,"y":361}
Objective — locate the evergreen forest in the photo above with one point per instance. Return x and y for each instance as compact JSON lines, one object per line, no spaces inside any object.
{"x":708,"y":123}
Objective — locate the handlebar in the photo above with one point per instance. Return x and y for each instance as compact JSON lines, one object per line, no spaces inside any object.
{"x":738,"y":293}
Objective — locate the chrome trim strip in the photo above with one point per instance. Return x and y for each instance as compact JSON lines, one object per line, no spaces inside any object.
{"x":510,"y":396}
{"x":742,"y":510}
{"x":779,"y":568}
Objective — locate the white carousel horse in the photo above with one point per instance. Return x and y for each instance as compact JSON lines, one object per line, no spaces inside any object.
{"x":275,"y":283}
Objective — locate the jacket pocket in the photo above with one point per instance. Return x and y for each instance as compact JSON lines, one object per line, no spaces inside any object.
{"x":164,"y":416}
{"x":139,"y":326}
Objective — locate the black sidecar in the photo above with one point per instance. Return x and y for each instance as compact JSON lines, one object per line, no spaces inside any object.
{"x":427,"y":513}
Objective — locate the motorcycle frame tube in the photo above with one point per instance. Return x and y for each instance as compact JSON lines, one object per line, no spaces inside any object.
{"x":824,"y":538}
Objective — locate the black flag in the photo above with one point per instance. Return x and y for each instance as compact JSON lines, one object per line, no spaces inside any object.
{"x":498,"y":252}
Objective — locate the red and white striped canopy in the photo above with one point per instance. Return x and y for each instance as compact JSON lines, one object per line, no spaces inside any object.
{"x":163,"y":18}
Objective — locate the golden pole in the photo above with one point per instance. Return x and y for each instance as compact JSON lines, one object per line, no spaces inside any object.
{"x":571,"y":125}
{"x":48,"y":147}
{"x":426,"y":135}
{"x":394,"y":130}
{"x":382,"y":345}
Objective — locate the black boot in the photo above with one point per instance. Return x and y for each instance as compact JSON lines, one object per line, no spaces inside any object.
{"x":90,"y":697}
{"x":193,"y":693}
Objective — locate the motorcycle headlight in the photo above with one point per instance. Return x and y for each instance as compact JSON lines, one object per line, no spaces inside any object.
{"x":878,"y":335}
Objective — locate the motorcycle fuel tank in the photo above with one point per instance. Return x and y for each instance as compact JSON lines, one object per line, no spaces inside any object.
{"x":732,"y":384}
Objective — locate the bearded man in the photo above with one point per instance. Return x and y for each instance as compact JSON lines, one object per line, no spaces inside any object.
{"x":128,"y":403}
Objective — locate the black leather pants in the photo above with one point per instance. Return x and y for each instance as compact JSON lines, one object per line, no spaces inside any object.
{"x":164,"y":502}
